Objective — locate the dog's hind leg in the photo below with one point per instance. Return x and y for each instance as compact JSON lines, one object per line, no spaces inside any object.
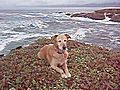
{"x":39,"y":55}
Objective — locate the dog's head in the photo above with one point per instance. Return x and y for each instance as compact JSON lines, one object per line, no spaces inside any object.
{"x":60,"y":41}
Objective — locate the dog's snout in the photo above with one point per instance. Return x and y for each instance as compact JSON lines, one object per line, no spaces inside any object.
{"x":64,"y":47}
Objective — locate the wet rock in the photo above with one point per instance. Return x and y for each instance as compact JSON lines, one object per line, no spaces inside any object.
{"x":68,"y":14}
{"x":115,"y":18}
{"x":19,"y":47}
{"x":59,"y":12}
{"x":79,"y":15}
{"x":31,"y":25}
{"x":1,"y":55}
{"x":96,"y":16}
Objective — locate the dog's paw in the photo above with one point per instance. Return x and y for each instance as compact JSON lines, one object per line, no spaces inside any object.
{"x":68,"y":75}
{"x":64,"y":76}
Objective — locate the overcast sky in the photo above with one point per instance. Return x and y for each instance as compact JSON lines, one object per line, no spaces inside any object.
{"x":5,"y":3}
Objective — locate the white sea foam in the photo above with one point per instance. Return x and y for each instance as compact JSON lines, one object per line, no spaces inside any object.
{"x":79,"y":34}
{"x":8,"y":14}
{"x":40,"y":24}
{"x":118,"y":43}
{"x":34,"y":15}
{"x":35,"y":23}
{"x":11,"y":32}
{"x":2,"y":46}
{"x":60,"y":16}
{"x":28,"y":15}
{"x":43,"y":15}
{"x":105,"y":21}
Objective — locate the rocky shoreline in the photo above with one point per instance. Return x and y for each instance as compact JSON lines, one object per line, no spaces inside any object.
{"x":92,"y":68}
{"x":113,"y":14}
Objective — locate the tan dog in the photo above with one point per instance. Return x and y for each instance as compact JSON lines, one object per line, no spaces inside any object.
{"x":56,"y":54}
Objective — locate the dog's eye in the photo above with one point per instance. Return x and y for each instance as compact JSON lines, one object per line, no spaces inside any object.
{"x":59,"y":41}
{"x":65,"y":40}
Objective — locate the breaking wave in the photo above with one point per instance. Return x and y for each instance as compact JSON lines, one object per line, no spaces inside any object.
{"x":105,"y":21}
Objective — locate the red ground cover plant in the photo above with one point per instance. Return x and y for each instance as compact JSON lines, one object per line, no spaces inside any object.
{"x":91,"y":67}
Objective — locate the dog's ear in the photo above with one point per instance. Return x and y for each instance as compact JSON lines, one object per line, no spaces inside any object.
{"x":68,"y":36}
{"x":53,"y":38}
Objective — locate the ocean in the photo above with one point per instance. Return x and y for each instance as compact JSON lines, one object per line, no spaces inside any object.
{"x":22,"y":27}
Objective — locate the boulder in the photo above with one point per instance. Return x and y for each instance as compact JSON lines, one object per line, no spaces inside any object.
{"x":59,"y":12}
{"x":31,"y":25}
{"x":79,"y":15}
{"x":115,"y":18}
{"x":96,"y":16}
{"x":19,"y":47}
{"x":1,"y":55}
{"x":68,"y":14}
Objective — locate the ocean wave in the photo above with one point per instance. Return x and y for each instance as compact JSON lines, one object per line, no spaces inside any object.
{"x":39,"y":24}
{"x":26,"y":15}
{"x":42,"y":14}
{"x":26,"y":25}
{"x":60,"y":16}
{"x":11,"y":32}
{"x":8,"y":14}
{"x":105,"y":21}
{"x":18,"y":37}
{"x":79,"y":34}
{"x":34,"y":15}
{"x":2,"y":46}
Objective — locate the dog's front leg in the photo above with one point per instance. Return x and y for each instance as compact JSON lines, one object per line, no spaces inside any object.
{"x":66,"y":70}
{"x":54,"y":66}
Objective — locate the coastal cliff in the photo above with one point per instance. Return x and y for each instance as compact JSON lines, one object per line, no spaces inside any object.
{"x":91,"y":67}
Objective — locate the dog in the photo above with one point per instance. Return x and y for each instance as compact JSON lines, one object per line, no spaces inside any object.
{"x":56,"y":54}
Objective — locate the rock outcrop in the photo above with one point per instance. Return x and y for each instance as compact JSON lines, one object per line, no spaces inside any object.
{"x":115,"y":18}
{"x":96,"y":16}
{"x":117,"y":11}
{"x":79,"y":15}
{"x":114,"y":14}
{"x":109,"y":15}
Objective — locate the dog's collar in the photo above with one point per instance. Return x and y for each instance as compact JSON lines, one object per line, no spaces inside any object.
{"x":60,"y":52}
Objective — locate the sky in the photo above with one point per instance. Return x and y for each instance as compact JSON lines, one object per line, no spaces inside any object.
{"x":5,"y":3}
